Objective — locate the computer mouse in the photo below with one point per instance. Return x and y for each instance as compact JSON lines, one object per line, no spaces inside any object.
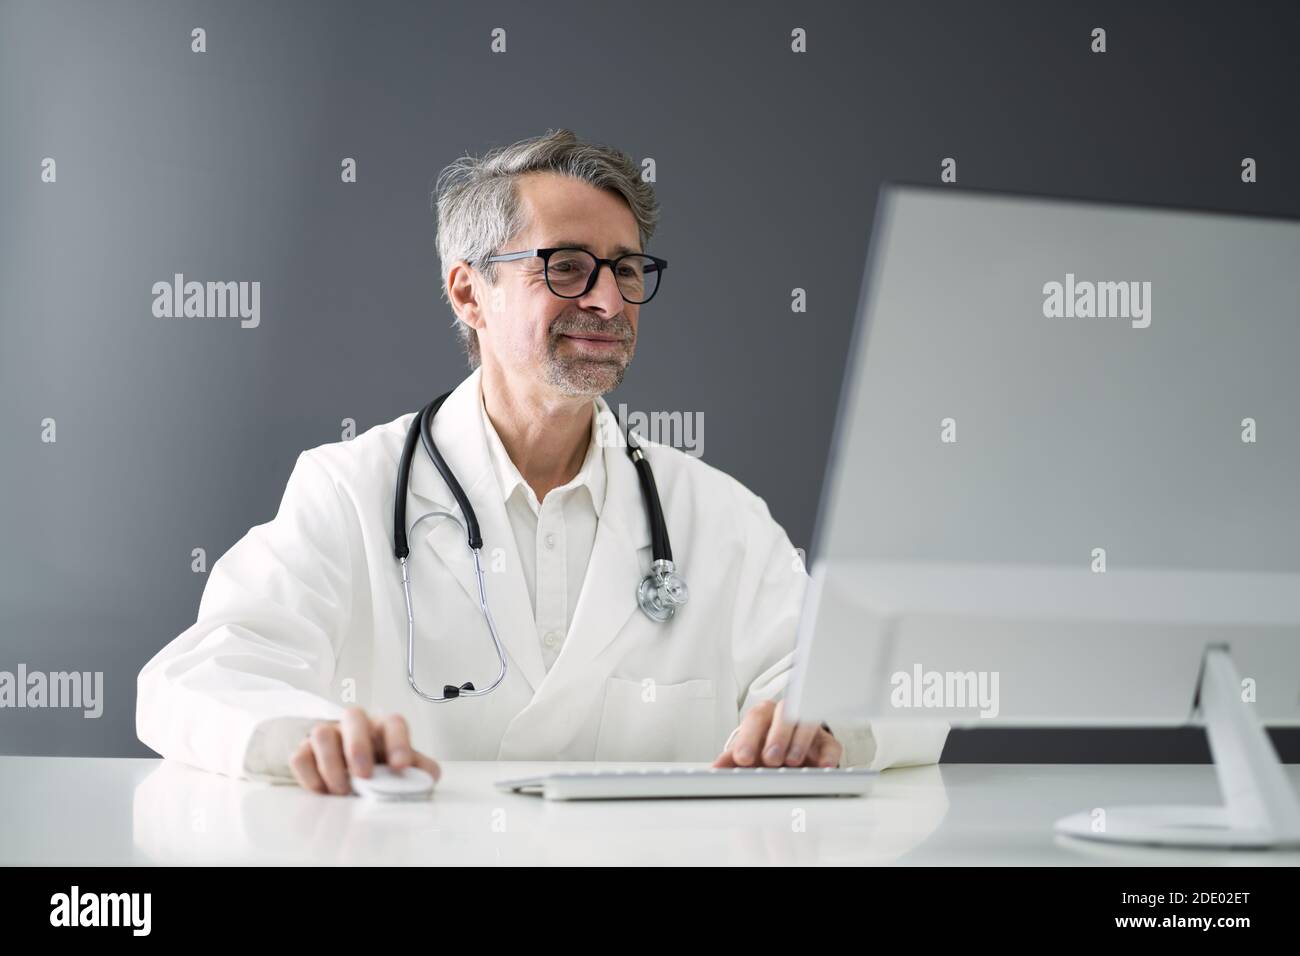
{"x":385,"y":783}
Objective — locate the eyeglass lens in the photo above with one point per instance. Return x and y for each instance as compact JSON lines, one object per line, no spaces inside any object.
{"x":569,"y":270}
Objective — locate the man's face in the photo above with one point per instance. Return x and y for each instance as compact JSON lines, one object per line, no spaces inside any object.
{"x":579,"y":346}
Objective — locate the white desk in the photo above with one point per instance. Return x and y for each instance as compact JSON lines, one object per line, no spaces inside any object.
{"x":104,"y":811}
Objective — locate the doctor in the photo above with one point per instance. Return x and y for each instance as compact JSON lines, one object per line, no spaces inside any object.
{"x":297,"y":666}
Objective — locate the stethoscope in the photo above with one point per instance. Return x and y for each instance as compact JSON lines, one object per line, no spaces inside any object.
{"x":660,"y":593}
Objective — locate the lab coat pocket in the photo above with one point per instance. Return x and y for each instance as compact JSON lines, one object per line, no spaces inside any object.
{"x":646,"y":720}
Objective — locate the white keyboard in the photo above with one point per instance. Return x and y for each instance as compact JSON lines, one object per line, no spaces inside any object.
{"x":654,"y":783}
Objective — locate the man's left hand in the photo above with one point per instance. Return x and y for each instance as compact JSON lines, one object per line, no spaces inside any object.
{"x":764,"y":739}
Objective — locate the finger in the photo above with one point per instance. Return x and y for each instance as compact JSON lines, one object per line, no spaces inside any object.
{"x":358,"y":743}
{"x":753,"y":728}
{"x":778,"y":738}
{"x":801,"y":743}
{"x":725,"y":759}
{"x":327,"y":745}
{"x":397,"y":742}
{"x":427,"y":764}
{"x":302,"y":763}
{"x":827,"y":751}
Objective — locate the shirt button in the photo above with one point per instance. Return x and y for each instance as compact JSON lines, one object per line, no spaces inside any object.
{"x":552,"y":638}
{"x":550,"y":541}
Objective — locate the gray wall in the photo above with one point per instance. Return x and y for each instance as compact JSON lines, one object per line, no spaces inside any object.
{"x":176,"y":434}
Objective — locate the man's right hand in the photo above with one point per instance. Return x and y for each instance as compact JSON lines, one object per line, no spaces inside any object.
{"x":333,"y":751}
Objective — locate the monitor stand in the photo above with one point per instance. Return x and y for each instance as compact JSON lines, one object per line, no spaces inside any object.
{"x":1260,"y":809}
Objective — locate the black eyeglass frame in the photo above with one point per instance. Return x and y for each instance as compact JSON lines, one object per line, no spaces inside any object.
{"x":545,"y":254}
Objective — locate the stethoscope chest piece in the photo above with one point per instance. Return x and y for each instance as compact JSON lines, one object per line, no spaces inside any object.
{"x":662,"y":592}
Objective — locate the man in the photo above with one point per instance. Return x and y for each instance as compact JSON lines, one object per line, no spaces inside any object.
{"x":297,"y":665}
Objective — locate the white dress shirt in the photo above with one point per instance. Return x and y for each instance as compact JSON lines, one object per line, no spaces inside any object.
{"x":555,"y":536}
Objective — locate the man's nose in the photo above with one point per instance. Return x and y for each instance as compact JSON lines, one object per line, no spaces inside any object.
{"x":604,"y":293}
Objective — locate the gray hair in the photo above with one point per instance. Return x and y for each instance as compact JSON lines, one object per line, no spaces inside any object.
{"x":478,"y":207}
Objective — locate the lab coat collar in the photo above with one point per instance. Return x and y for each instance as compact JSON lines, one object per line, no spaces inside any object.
{"x":591,"y":474}
{"x":620,"y":555}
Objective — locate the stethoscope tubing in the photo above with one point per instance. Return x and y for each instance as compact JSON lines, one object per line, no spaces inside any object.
{"x":661,"y":581}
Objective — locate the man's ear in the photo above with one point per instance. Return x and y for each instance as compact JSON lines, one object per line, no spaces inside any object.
{"x":463,"y":294}
{"x":471,"y":297}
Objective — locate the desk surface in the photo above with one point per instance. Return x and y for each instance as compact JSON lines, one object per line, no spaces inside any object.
{"x":108,"y":811}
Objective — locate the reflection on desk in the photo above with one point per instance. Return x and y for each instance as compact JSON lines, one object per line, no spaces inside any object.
{"x":103,"y":811}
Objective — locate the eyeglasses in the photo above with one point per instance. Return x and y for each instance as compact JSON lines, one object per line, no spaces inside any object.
{"x":571,"y":273}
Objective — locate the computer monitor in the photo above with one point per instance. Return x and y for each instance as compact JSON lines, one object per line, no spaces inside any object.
{"x":1064,"y":488}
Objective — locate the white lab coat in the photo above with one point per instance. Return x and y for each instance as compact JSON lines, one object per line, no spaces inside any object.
{"x":304,"y":616}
